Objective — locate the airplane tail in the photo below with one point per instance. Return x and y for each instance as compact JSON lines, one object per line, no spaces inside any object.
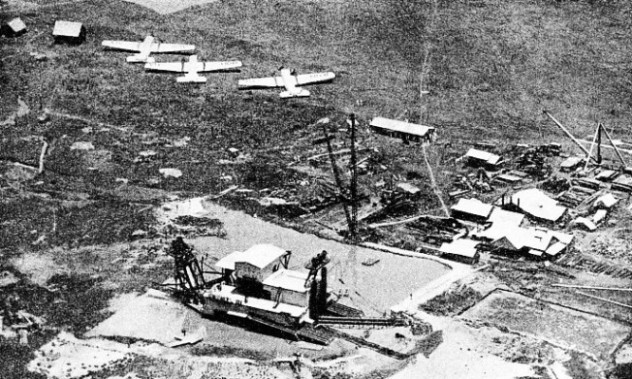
{"x":195,"y":78}
{"x":288,"y":94}
{"x":139,"y":58}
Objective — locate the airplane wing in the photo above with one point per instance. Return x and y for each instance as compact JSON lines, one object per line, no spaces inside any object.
{"x":171,"y":48}
{"x":165,"y":66}
{"x":314,"y":78}
{"x":271,"y":82}
{"x":122,"y":45}
{"x":218,"y":66}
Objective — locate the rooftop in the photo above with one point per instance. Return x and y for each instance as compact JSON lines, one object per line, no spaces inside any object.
{"x":473,"y":206}
{"x":288,"y":280}
{"x":462,"y":247}
{"x":67,"y":28}
{"x":538,"y":204}
{"x":401,"y":126}
{"x":488,"y":158}
{"x":258,"y":255}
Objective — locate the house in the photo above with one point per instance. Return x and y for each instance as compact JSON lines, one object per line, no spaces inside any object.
{"x":462,"y":250}
{"x":255,"y":264}
{"x":288,"y":287}
{"x":69,"y":32}
{"x":471,"y":210}
{"x":480,"y":158}
{"x":13,"y":28}
{"x":537,"y":243}
{"x":606,"y":201}
{"x":536,"y":204}
{"x":500,"y":216}
{"x":405,"y":130}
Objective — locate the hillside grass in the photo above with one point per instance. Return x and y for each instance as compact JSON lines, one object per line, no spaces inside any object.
{"x":493,"y":67}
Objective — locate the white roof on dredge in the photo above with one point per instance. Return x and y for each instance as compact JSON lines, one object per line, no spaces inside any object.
{"x":462,"y":247}
{"x":538,"y":204}
{"x":258,"y":255}
{"x":287,"y":280}
{"x":67,"y":28}
{"x":483,"y":156}
{"x":401,"y":126}
{"x":473,"y":206}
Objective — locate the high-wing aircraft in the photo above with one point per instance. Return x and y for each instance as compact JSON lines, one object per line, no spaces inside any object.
{"x":289,"y":80}
{"x":148,"y":46}
{"x":191,"y":67}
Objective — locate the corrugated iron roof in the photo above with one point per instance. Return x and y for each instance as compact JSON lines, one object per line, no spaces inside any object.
{"x":473,"y":207}
{"x":462,"y":247}
{"x":504,"y":217}
{"x":67,"y":28}
{"x":17,"y":24}
{"x":258,"y":255}
{"x":489,"y":158}
{"x":287,"y":279}
{"x":538,"y":204}
{"x":401,"y":126}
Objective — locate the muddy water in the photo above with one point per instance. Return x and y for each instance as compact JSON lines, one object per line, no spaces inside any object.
{"x":374,"y":289}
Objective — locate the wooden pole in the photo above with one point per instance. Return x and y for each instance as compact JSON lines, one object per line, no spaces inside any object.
{"x":616,"y":149}
{"x":568,"y":134}
{"x":605,"y":300}
{"x":592,"y":145}
{"x":354,"y":184}
{"x":592,"y":287}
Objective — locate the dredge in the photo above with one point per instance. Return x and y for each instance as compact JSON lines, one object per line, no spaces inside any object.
{"x":257,"y":286}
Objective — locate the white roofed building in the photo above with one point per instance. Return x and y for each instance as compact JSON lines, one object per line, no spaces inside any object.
{"x":480,"y":158}
{"x":538,"y":205}
{"x":402,"y":129}
{"x":463,"y":250}
{"x":471,"y":210}
{"x":256,"y":263}
{"x":288,"y":287}
{"x":69,"y":32}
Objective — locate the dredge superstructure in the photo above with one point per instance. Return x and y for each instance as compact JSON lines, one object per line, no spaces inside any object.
{"x":257,"y":285}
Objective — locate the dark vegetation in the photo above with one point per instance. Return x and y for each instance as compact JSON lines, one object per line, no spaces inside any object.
{"x":452,"y":302}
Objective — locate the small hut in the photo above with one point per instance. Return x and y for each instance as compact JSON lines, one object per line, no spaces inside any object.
{"x":69,"y":32}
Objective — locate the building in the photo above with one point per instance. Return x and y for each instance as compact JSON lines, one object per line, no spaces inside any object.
{"x":536,"y":204}
{"x":480,"y":158}
{"x":13,"y":28}
{"x":404,"y":130}
{"x":69,"y":32}
{"x":257,"y":283}
{"x":536,"y":243}
{"x":471,"y":210}
{"x":257,"y":263}
{"x":462,"y":250}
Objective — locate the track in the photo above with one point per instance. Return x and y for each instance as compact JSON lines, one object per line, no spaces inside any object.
{"x":591,"y":265}
{"x":361,"y":321}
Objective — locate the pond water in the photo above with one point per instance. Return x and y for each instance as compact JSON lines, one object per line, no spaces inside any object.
{"x":374,"y":289}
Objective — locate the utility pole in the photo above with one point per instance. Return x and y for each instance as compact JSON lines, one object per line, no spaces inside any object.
{"x":353,"y":233}
{"x":337,"y":177}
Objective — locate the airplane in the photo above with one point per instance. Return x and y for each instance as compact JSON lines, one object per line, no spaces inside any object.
{"x":289,"y":80}
{"x":191,"y":68}
{"x":148,"y":46}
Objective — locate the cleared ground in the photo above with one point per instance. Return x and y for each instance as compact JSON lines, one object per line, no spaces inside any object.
{"x":567,"y":327}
